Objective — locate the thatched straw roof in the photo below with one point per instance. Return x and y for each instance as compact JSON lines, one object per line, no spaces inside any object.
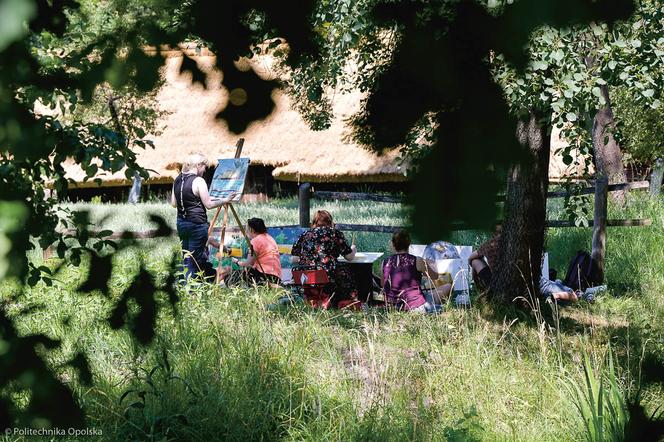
{"x":282,"y":140}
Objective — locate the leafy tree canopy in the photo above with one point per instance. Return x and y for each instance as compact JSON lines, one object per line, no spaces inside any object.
{"x":569,"y":67}
{"x":640,"y":130}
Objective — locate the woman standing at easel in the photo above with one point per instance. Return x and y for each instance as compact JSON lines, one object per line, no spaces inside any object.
{"x":190,"y":196}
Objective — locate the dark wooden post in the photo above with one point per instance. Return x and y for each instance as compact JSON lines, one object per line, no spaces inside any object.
{"x":304,"y":199}
{"x":656,"y":178}
{"x":238,"y":147}
{"x":599,"y":223}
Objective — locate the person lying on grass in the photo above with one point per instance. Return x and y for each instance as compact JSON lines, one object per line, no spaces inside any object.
{"x":402,"y":275}
{"x":482,"y":259}
{"x":557,"y":291}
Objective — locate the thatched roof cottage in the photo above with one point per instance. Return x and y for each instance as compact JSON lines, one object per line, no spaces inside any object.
{"x":281,"y":147}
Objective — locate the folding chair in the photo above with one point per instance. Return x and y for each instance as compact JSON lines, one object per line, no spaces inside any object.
{"x":312,"y":281}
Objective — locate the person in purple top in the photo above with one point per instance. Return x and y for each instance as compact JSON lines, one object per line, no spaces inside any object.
{"x":402,"y":274}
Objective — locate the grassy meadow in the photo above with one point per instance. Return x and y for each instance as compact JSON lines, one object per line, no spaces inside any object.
{"x":225,"y":367}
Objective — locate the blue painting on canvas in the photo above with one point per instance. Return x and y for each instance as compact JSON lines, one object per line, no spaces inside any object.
{"x":228,"y":180}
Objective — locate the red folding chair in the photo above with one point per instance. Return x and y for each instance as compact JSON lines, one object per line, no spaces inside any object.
{"x":312,"y":282}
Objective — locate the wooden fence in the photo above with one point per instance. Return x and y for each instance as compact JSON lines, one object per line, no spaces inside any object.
{"x":306,"y":193}
{"x":600,"y":189}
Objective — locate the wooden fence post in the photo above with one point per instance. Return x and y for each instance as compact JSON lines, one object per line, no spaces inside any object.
{"x":656,"y":178}
{"x":599,"y":223}
{"x":304,"y":199}
{"x":135,"y":191}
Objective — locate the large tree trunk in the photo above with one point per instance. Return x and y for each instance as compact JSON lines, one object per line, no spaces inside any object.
{"x":518,"y":270}
{"x":608,"y":156}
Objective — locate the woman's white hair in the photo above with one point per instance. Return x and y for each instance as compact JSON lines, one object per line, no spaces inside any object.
{"x":193,"y":160}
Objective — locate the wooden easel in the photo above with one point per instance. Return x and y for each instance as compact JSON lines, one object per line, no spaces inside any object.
{"x":224,"y":223}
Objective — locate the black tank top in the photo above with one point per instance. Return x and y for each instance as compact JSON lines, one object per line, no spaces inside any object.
{"x":190,"y":207}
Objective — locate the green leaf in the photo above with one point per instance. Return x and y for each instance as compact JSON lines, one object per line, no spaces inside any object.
{"x":571,"y":116}
{"x":648,"y":93}
{"x":612,"y":64}
{"x":557,"y":106}
{"x":597,"y":30}
{"x":540,"y":65}
{"x":61,"y":249}
{"x":13,"y":239}
{"x":91,"y":170}
{"x":13,"y":15}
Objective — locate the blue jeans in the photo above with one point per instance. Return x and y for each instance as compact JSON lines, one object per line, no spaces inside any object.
{"x":194,"y":249}
{"x":548,"y":287}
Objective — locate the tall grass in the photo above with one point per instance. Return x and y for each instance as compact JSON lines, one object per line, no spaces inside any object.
{"x":227,"y":367}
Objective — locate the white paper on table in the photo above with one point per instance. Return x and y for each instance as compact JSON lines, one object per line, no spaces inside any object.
{"x":363,"y":258}
{"x":464,"y":252}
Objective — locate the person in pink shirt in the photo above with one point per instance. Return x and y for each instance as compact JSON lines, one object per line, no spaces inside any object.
{"x":263,"y":265}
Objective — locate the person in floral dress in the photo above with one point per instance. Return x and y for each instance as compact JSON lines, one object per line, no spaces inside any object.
{"x":321,"y":247}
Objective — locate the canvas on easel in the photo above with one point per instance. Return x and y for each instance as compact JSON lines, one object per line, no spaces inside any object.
{"x":228,"y":183}
{"x":229,"y":178}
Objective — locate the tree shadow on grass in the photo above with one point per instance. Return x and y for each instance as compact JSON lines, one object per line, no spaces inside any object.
{"x":634,"y":345}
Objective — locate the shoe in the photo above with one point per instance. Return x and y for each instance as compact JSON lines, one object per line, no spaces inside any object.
{"x":590,"y":293}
